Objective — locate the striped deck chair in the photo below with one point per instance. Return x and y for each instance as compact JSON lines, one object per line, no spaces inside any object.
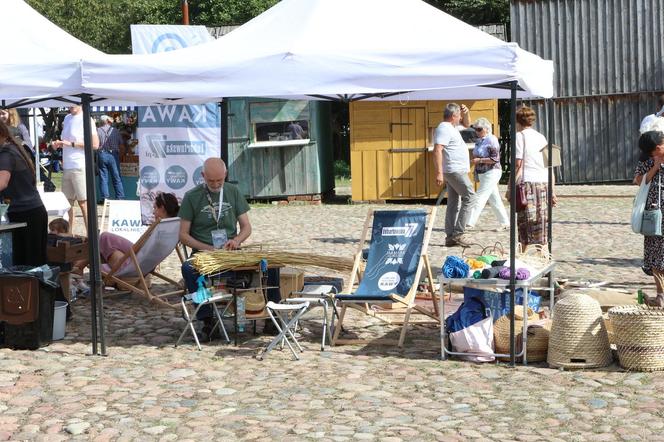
{"x":397,"y":256}
{"x":154,"y":246}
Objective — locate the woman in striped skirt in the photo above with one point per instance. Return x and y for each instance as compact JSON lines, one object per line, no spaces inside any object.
{"x":532,"y":220}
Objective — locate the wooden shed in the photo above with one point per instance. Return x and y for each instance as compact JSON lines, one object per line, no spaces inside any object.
{"x":280,"y":148}
{"x":391,"y":145}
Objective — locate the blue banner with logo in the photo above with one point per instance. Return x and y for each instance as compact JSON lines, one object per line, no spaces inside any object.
{"x":175,"y":140}
{"x":394,"y":253}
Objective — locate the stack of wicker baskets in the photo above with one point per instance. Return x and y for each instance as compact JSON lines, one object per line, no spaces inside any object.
{"x":538,"y":335}
{"x":578,"y":335}
{"x":638,"y":332}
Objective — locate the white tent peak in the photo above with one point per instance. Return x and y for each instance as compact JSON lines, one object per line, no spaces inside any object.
{"x":43,"y":60}
{"x":301,"y":49}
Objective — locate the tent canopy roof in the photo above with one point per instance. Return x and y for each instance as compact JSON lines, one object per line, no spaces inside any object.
{"x":42,"y":60}
{"x":327,"y":48}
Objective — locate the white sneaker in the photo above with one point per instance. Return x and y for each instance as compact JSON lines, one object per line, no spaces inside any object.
{"x":502,"y":228}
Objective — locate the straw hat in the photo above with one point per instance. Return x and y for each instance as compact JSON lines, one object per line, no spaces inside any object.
{"x":538,"y":335}
{"x":578,"y":335}
{"x":638,"y":332}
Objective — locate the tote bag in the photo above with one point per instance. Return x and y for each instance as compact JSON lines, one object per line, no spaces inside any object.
{"x":521,"y":195}
{"x":639,"y":205}
{"x":651,"y":224}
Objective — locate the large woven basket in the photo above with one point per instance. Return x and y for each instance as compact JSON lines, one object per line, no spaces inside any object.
{"x":578,"y":335}
{"x":538,"y":335}
{"x":638,"y":332}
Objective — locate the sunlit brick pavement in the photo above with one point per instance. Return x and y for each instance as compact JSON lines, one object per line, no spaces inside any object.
{"x":145,"y":389}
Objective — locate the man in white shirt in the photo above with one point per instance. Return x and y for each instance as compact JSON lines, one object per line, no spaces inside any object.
{"x":73,"y":161}
{"x":649,"y":119}
{"x":452,"y":162}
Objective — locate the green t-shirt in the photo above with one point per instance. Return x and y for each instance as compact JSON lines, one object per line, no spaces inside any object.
{"x":195,"y":207}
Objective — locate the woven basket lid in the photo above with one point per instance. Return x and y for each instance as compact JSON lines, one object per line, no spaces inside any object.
{"x":538,"y":335}
{"x":578,"y":336}
{"x":638,"y":333}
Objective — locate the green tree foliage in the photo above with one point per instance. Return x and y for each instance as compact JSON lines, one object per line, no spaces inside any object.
{"x":105,"y":24}
{"x":476,"y":12}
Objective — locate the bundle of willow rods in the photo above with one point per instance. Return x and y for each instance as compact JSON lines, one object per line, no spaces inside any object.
{"x":217,"y":261}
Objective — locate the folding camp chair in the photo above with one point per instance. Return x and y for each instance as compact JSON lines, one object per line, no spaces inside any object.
{"x":397,"y":255}
{"x":284,"y":317}
{"x":155,"y":245}
{"x":190,"y":315}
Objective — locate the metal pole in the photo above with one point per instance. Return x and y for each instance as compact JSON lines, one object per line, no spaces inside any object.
{"x":512,"y":190}
{"x":96,"y":301}
{"x":185,"y":12}
{"x":223,"y":106}
{"x":550,"y":132}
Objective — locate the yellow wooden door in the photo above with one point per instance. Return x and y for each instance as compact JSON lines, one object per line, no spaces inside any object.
{"x":408,"y":152}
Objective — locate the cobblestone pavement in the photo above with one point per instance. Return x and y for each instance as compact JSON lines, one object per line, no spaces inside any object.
{"x":145,"y":389}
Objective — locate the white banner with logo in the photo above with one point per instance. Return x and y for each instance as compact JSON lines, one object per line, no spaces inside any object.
{"x":124,"y":219}
{"x":174,"y":141}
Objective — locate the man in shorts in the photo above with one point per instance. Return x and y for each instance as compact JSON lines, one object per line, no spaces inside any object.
{"x":73,"y":161}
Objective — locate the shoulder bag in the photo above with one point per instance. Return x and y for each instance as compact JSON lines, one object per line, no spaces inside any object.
{"x":651,"y":225}
{"x":521,"y":195}
{"x":639,"y":205}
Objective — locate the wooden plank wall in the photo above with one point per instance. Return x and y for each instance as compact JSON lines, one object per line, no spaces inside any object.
{"x":378,"y":172}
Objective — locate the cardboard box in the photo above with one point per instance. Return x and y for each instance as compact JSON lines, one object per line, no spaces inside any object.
{"x":290,"y":280}
{"x":64,"y":252}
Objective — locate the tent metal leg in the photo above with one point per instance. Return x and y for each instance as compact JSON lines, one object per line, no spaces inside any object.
{"x":96,"y":301}
{"x":512,"y":189}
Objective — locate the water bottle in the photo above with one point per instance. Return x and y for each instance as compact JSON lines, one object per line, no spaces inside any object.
{"x":240,"y":314}
{"x":640,"y":298}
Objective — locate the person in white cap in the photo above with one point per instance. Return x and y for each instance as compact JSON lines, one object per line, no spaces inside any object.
{"x":111,"y":146}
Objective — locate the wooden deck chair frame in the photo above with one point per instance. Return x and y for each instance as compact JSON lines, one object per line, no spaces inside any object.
{"x":142,"y":288}
{"x":398,"y":316}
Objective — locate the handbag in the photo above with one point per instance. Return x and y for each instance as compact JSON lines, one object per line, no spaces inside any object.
{"x":476,"y":340}
{"x":639,"y":205}
{"x":651,"y":225}
{"x":521,"y":194}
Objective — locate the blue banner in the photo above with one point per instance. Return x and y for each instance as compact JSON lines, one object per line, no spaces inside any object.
{"x":394,"y":253}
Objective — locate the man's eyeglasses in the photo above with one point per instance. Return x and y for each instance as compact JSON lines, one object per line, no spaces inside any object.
{"x":478,"y":129}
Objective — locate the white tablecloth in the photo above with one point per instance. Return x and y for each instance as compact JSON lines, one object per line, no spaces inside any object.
{"x":56,"y":203}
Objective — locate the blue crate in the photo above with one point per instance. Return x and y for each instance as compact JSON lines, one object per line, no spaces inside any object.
{"x":499,"y":302}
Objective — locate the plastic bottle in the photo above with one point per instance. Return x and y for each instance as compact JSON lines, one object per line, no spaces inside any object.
{"x":240,"y":314}
{"x":640,"y":298}
{"x":202,"y":293}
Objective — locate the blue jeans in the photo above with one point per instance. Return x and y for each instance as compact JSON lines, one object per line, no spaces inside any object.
{"x":190,"y":275}
{"x":109,"y":163}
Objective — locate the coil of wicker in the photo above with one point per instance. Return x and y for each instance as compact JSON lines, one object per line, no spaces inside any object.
{"x":538,"y":335}
{"x":638,"y":332}
{"x":578,"y":336}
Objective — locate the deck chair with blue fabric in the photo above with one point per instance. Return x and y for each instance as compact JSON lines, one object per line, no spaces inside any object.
{"x":397,"y":256}
{"x":153,"y":247}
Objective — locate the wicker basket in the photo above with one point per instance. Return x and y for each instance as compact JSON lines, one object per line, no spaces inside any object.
{"x":638,"y":333}
{"x":578,"y":335}
{"x":609,"y":328}
{"x":538,"y":335}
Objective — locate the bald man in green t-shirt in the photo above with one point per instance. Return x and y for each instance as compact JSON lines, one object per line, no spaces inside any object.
{"x":211,"y":213}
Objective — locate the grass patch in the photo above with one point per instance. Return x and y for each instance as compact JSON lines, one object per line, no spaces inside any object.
{"x":341,"y":181}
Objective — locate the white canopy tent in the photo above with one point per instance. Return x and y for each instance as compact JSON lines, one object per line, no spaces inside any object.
{"x":313,"y":49}
{"x":41,"y":66}
{"x":41,"y":60}
{"x":349,"y":49}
